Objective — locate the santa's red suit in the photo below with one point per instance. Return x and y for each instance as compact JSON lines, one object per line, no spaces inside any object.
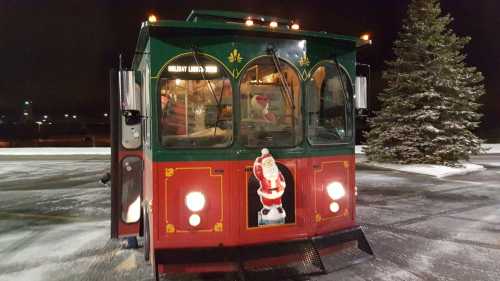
{"x":272,"y":183}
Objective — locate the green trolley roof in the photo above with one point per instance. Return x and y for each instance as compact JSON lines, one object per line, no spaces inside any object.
{"x":233,"y":23}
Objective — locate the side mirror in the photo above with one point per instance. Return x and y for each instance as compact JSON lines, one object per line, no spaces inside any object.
{"x":361,"y":92}
{"x":130,"y":92}
{"x":130,"y":83}
{"x":132,"y":117}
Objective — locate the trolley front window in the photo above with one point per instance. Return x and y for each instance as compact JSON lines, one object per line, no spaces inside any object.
{"x":196,"y":104}
{"x":270,"y":105}
{"x":329,"y":106}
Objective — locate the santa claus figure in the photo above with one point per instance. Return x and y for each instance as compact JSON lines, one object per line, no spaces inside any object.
{"x":260,"y":105}
{"x":271,"y":188}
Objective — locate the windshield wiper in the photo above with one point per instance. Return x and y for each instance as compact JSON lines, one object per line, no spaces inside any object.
{"x":284,"y":84}
{"x":218,"y":101}
{"x":289,"y":98}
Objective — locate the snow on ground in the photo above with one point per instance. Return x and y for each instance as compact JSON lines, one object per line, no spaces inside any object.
{"x":22,"y":151}
{"x":438,"y":171}
{"x":491,"y":148}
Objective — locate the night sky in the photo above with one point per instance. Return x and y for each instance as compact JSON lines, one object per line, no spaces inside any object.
{"x":58,"y":53}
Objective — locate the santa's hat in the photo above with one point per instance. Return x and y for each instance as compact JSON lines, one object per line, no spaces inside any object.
{"x":265,"y":154}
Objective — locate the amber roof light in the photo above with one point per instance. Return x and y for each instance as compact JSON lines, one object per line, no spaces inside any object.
{"x":152,"y":18}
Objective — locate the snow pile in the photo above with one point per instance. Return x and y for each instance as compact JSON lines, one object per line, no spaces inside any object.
{"x":359,"y":149}
{"x":26,"y":151}
{"x":493,"y":148}
{"x":438,"y":171}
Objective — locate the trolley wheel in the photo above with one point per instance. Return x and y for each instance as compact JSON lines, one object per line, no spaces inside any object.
{"x":147,"y":246}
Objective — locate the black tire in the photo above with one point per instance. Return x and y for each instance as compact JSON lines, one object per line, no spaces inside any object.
{"x":147,"y":246}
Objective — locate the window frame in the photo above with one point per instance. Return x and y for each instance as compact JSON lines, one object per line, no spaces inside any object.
{"x":349,"y":111}
{"x":301,"y":111}
{"x":227,"y":75}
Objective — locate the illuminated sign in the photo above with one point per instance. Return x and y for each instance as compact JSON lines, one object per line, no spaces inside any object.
{"x":193,"y":68}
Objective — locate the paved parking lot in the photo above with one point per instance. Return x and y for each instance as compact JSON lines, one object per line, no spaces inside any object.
{"x":54,"y":225}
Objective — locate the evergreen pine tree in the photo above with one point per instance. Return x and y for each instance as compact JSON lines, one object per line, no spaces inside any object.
{"x":430,"y":104}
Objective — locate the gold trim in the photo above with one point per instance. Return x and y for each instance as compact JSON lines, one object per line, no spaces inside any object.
{"x":170,"y":228}
{"x":218,"y":227}
{"x":317,"y":218}
{"x":297,"y":70}
{"x":304,"y":60}
{"x":234,"y":56}
{"x":221,"y":219}
{"x":169,"y":172}
{"x":344,"y":209}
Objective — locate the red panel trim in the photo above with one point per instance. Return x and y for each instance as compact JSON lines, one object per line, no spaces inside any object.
{"x":231,"y":210}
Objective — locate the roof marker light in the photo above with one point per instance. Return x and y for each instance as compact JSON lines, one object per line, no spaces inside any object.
{"x":366,"y":38}
{"x":152,"y":18}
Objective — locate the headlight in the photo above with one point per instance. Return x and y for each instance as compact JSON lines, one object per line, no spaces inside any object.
{"x":334,"y":207}
{"x":195,"y":201}
{"x":194,"y":220}
{"x":335,"y":190}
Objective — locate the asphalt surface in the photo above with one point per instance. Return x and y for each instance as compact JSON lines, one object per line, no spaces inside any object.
{"x":54,"y":225}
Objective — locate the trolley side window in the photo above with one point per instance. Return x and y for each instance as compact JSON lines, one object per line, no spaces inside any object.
{"x":329,"y":108}
{"x":270,"y":105}
{"x":196,"y":104}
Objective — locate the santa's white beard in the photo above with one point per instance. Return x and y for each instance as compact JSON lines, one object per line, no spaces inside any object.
{"x":271,"y":174}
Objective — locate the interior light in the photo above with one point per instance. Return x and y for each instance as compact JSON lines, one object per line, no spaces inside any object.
{"x":152,"y":18}
{"x":335,"y":190}
{"x":177,"y":82}
{"x":334,"y":207}
{"x":195,"y":201}
{"x":249,"y":22}
{"x":295,"y":26}
{"x":273,"y":24}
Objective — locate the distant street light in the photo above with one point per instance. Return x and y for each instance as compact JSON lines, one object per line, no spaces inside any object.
{"x":66,"y":115}
{"x":45,"y":116}
{"x":25,"y":113}
{"x":105,"y":115}
{"x":74,"y":116}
